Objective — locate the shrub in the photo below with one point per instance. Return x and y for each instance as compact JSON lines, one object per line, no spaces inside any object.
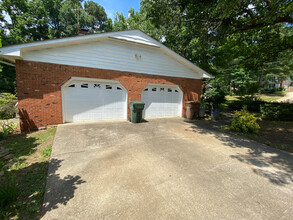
{"x":253,"y":103}
{"x":215,"y":97}
{"x":8,"y":128}
{"x":7,"y":105}
{"x":244,"y":122}
{"x":277,"y":111}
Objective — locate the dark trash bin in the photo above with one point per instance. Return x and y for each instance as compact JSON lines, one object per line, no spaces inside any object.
{"x":215,"y":114}
{"x":136,"y":108}
{"x":191,"y":110}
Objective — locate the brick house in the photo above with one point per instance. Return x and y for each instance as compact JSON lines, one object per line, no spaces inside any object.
{"x":93,"y":78}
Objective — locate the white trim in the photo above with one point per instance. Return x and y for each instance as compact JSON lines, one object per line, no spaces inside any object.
{"x":164,"y":85}
{"x":129,"y":41}
{"x":90,"y":80}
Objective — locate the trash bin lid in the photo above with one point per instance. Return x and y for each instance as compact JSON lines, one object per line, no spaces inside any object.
{"x":137,"y":105}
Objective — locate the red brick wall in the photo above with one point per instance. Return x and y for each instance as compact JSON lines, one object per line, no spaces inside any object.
{"x":39,"y":89}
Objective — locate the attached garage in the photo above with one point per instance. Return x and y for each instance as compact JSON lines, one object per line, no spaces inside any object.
{"x":85,"y":100}
{"x":162,"y":101}
{"x":94,"y":78}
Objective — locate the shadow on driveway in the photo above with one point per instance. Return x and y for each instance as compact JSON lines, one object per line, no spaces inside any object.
{"x":59,"y":190}
{"x":270,"y":163}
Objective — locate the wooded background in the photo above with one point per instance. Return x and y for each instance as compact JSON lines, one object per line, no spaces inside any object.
{"x":241,"y":42}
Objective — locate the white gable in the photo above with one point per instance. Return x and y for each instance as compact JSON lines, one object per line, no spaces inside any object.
{"x":115,"y":55}
{"x":131,"y":51}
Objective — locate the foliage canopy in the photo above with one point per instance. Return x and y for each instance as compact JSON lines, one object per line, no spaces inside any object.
{"x":241,"y":42}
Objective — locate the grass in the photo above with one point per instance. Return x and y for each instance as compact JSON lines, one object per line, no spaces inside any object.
{"x":26,"y":162}
{"x":265,"y":97}
{"x":276,"y":134}
{"x":272,"y":97}
{"x":232,"y":98}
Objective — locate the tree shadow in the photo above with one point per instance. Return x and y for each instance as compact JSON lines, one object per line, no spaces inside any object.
{"x":270,"y":163}
{"x":26,"y":123}
{"x":17,"y":146}
{"x":59,"y":190}
{"x":32,"y":189}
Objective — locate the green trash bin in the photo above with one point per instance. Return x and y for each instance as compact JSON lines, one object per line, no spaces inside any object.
{"x":136,"y":108}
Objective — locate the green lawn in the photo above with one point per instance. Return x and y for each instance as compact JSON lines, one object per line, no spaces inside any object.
{"x":232,"y":98}
{"x":272,"y":97}
{"x":26,"y":162}
{"x":264,"y":97}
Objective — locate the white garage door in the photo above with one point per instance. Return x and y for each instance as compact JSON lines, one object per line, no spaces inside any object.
{"x":85,"y":100}
{"x":162,"y":101}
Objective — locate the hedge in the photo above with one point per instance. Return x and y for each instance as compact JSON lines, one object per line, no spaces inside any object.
{"x":277,"y":111}
{"x":252,"y":103}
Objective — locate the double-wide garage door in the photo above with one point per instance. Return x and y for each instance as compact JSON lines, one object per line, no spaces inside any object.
{"x":87,"y":100}
{"x":93,"y":101}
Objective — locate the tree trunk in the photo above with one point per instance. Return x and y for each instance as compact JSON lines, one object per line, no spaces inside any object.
{"x":260,"y":80}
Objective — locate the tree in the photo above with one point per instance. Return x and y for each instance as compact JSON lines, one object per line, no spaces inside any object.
{"x":120,"y":22}
{"x":197,"y":28}
{"x":33,"y":20}
{"x":280,"y":69}
{"x":73,"y":15}
{"x":45,"y":19}
{"x":225,"y":37}
{"x":98,"y":16}
{"x":28,"y":21}
{"x":137,"y":20}
{"x":7,"y":79}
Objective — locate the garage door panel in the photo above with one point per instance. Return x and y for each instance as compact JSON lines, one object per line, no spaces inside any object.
{"x":162,"y":101}
{"x":94,"y":101}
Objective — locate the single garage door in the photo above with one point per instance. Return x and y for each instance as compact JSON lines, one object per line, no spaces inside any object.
{"x":162,"y":101}
{"x":86,"y":100}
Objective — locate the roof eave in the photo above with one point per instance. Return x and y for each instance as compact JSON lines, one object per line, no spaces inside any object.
{"x":15,"y":51}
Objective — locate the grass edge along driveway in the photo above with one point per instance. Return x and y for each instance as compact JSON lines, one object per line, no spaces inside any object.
{"x":23,"y":173}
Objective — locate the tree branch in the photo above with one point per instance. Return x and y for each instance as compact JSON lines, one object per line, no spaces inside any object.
{"x":255,"y":25}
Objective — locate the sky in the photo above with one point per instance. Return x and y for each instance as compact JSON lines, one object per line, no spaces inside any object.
{"x":113,"y":6}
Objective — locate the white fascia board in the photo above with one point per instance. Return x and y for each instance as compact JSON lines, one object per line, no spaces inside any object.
{"x":61,"y":41}
{"x":136,"y":37}
{"x":133,"y":41}
{"x":10,"y":58}
{"x":13,"y":51}
{"x":208,"y":76}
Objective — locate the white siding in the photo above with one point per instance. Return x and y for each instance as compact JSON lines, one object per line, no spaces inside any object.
{"x":115,"y":55}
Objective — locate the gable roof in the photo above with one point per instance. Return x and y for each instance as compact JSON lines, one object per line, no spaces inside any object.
{"x":14,"y":52}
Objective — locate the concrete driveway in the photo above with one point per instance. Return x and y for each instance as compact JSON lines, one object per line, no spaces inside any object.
{"x":164,"y":169}
{"x":287,"y":98}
